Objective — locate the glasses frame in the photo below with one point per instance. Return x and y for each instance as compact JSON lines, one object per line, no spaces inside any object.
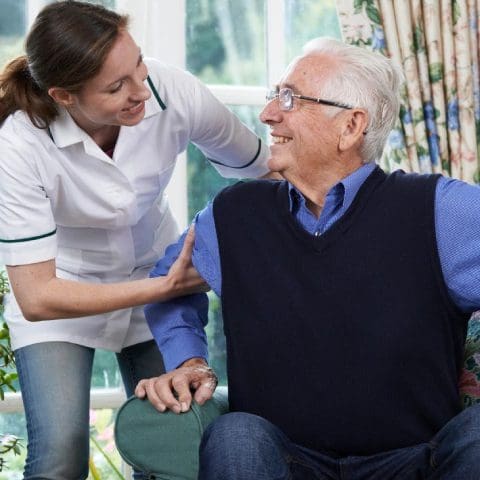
{"x":287,"y":103}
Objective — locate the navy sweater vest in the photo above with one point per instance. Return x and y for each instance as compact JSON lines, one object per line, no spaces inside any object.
{"x":349,"y":341}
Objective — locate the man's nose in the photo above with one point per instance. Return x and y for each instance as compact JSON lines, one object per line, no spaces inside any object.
{"x":271,"y":112}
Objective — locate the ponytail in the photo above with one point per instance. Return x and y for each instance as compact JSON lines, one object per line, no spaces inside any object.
{"x":19,"y":91}
{"x":83,"y":34}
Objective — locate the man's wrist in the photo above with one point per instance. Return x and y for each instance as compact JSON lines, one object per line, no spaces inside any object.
{"x":195,"y":362}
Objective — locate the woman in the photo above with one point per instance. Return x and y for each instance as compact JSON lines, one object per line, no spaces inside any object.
{"x":89,"y":136}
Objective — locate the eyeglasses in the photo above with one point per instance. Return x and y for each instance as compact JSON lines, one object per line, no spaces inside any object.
{"x":285,"y":99}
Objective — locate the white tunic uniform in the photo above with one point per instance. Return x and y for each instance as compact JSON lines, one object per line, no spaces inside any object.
{"x":107,"y":220}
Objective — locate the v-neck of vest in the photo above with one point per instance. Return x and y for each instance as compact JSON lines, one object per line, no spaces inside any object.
{"x":319,"y":243}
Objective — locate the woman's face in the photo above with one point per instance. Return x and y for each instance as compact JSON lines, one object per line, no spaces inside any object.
{"x":117,"y":94}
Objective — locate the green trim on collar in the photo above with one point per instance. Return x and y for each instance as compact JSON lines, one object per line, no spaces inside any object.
{"x":38,"y":237}
{"x":155,"y":93}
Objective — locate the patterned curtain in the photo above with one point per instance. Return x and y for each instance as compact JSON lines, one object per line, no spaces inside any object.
{"x":437,"y":44}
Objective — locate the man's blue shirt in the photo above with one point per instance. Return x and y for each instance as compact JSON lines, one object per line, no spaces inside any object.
{"x":178,"y":325}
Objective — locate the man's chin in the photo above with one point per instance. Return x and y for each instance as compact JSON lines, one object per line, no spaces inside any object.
{"x":275,"y":164}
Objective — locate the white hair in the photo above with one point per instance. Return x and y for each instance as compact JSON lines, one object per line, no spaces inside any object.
{"x":363,"y":79}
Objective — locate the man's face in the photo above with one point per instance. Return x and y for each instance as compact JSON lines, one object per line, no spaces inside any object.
{"x":305,"y":138}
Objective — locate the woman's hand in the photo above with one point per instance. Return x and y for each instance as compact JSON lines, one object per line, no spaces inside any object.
{"x":183,"y":278}
{"x":41,"y":295}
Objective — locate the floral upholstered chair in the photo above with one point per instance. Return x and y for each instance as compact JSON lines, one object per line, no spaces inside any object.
{"x":470,"y":378}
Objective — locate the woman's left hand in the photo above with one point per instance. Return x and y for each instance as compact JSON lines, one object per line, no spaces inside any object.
{"x":182,"y":276}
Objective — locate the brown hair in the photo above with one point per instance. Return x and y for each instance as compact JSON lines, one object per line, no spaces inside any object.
{"x":65,"y":47}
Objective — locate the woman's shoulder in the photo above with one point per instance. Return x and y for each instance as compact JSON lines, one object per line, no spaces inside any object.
{"x":20,"y":138}
{"x":169,"y":77}
{"x":19,"y":126}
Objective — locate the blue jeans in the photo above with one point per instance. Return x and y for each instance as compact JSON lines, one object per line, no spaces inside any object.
{"x":55,"y":383}
{"x":242,"y":446}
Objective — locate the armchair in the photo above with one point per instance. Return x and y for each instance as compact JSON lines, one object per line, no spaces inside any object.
{"x":165,"y":445}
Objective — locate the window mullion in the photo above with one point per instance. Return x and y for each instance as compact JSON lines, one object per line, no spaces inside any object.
{"x":275,"y":40}
{"x":33,"y":7}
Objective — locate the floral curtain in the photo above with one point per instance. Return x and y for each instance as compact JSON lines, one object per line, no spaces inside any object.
{"x":437,"y":44}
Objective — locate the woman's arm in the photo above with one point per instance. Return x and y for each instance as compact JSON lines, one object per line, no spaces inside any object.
{"x":41,"y":295}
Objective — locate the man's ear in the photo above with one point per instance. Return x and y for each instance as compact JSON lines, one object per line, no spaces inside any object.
{"x":355,"y":127}
{"x":61,"y":96}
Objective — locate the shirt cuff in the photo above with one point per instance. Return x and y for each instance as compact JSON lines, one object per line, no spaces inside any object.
{"x":181,"y":347}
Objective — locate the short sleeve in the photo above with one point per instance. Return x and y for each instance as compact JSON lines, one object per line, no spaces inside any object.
{"x":232,"y":148}
{"x":27,"y":226}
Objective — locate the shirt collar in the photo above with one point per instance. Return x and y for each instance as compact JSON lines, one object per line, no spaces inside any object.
{"x":152,"y":105}
{"x":348,"y":187}
{"x":66,"y":132}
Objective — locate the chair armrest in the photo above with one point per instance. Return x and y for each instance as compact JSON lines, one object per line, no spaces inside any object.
{"x":165,"y":445}
{"x":470,"y":377}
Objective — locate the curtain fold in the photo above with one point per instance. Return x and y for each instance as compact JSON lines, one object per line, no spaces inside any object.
{"x":436,"y":42}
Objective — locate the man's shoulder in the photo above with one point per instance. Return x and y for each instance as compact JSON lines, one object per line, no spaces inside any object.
{"x":407,"y":181}
{"x":251,"y":187}
{"x":247,"y":198}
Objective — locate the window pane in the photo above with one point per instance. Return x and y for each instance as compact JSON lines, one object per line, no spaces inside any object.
{"x":225,"y":41}
{"x":12,"y":29}
{"x":105,"y":372}
{"x":14,"y":424}
{"x":307,"y":19}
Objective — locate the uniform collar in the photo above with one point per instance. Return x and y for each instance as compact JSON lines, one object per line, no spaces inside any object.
{"x":154,"y":104}
{"x":66,"y":132}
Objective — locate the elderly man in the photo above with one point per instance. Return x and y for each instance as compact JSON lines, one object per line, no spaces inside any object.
{"x":345,"y":293}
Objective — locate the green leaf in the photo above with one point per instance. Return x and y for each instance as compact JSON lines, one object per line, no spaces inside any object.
{"x":435,"y":71}
{"x":373,"y":14}
{"x":107,"y":458}
{"x":418,"y":42}
{"x":418,"y":116}
{"x":456,"y":11}
{"x":357,"y":5}
{"x":421,"y":151}
{"x":476,"y":176}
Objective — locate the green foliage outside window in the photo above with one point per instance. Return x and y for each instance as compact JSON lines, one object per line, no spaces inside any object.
{"x":8,"y":443}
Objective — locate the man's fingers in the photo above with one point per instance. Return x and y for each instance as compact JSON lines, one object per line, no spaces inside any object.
{"x":153,"y":397}
{"x":204,"y":392}
{"x":206,"y":384}
{"x":140,"y":391}
{"x":181,"y":385}
{"x":164,"y":391}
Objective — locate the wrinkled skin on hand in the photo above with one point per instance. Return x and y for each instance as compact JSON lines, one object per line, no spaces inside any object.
{"x":173,"y":390}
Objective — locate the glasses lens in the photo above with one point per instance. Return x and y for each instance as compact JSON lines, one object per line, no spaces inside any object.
{"x":285,"y":97}
{"x":271,"y":95}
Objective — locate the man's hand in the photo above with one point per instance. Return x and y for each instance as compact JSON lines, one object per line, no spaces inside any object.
{"x":173,"y":390}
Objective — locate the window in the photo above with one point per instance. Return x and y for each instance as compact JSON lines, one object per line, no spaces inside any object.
{"x":239,"y":48}
{"x":244,"y":46}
